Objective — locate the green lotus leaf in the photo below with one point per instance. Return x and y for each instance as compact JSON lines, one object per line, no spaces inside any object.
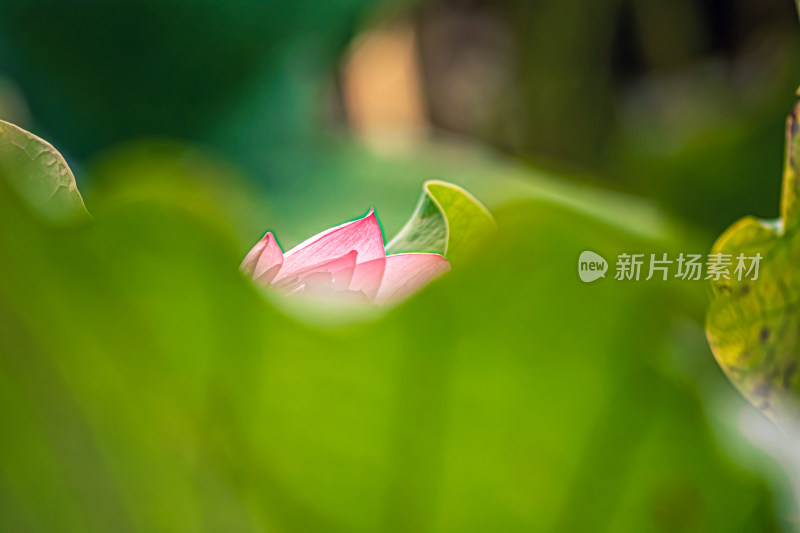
{"x":447,"y":219}
{"x":753,"y":325}
{"x":39,"y":173}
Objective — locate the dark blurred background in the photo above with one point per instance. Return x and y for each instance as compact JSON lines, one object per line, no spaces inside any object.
{"x":681,"y":101}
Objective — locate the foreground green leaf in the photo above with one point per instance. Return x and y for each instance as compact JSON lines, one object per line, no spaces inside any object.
{"x":146,"y":386}
{"x":39,"y":173}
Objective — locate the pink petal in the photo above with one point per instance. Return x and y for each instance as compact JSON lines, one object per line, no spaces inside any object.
{"x":362,"y":235}
{"x":406,"y":273}
{"x":265,"y":259}
{"x":248,"y":265}
{"x":338,"y":273}
{"x":367,"y":277}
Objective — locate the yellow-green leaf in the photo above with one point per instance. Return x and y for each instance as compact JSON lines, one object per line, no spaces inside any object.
{"x":39,"y":173}
{"x":753,"y":325}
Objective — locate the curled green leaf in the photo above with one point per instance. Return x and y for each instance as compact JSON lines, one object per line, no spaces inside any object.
{"x":446,"y":221}
{"x":39,"y":173}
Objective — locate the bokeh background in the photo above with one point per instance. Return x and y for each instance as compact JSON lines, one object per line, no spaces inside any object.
{"x":145,"y":385}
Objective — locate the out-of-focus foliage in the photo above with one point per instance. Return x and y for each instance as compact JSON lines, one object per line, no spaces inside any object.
{"x":677,"y":101}
{"x":98,"y":73}
{"x":148,"y":386}
{"x":145,"y":385}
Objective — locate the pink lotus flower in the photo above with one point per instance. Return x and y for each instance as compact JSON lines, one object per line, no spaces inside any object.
{"x":347,"y":261}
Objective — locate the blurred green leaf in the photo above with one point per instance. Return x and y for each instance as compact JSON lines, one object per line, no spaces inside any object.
{"x":446,"y":219}
{"x":39,"y":173}
{"x":146,"y":385}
